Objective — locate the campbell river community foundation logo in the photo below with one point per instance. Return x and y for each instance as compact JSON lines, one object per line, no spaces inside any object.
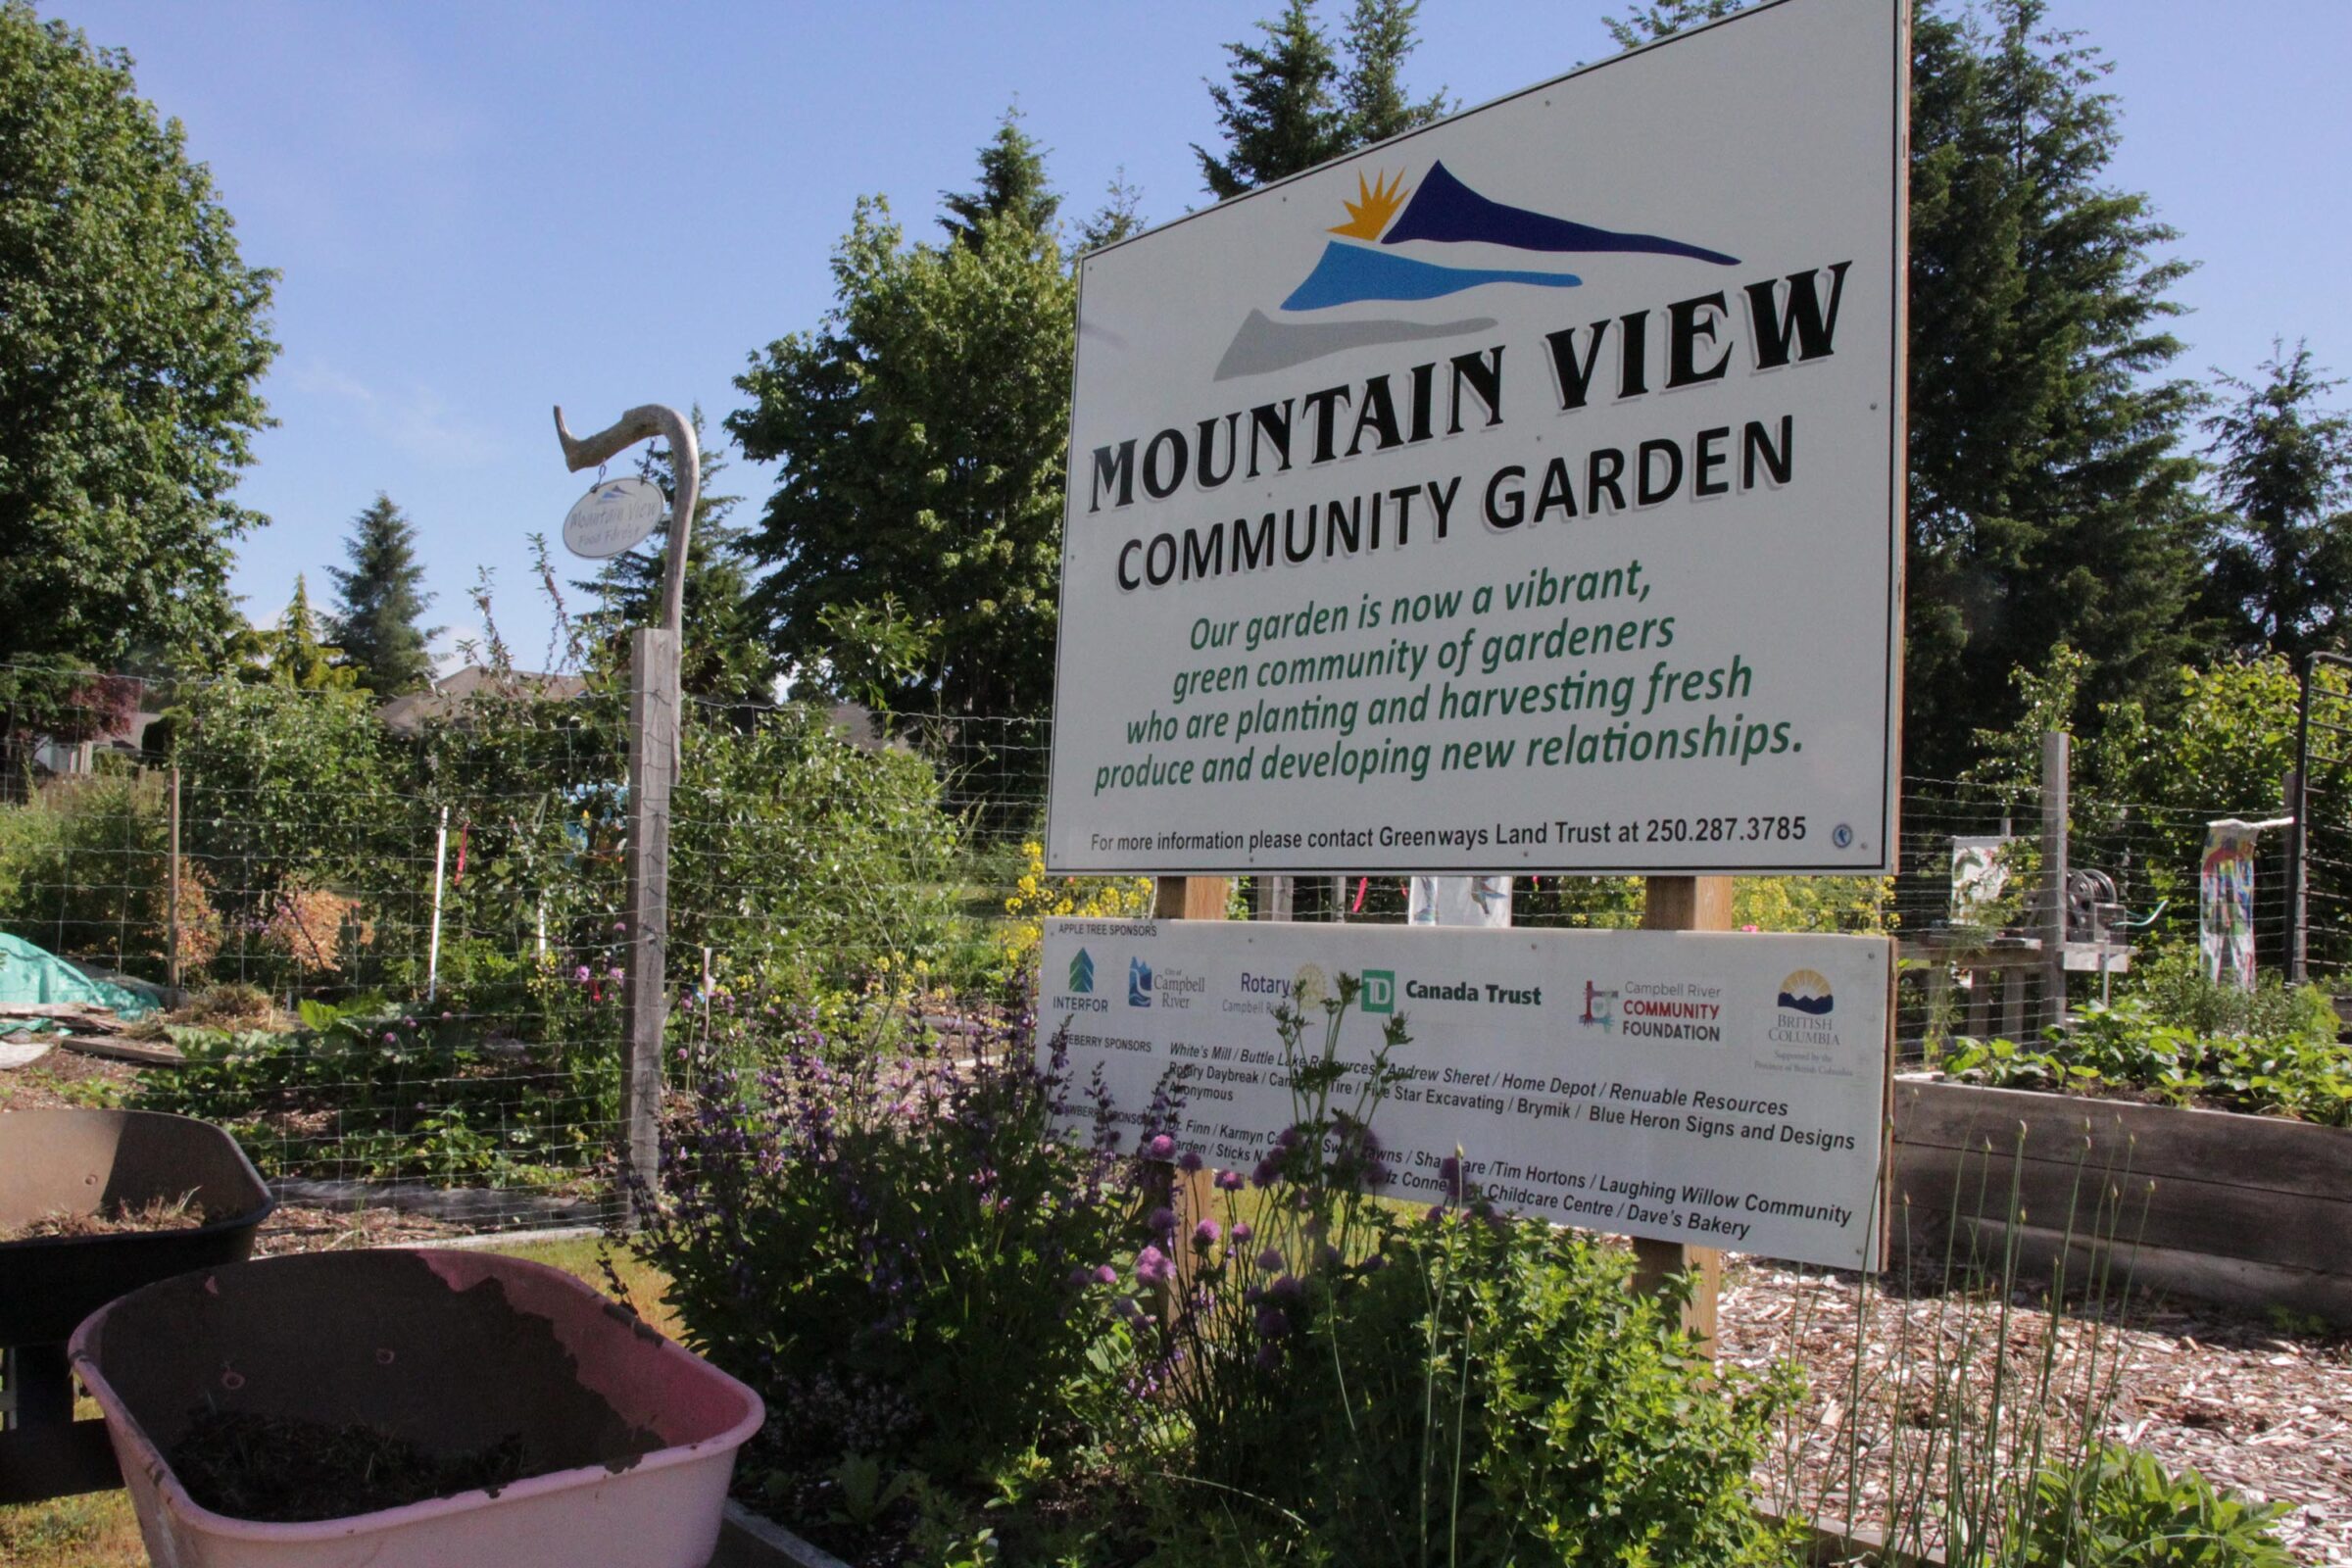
{"x":1600,"y":1008}
{"x":1400,"y":245}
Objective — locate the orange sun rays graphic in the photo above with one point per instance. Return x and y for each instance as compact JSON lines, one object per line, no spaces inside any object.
{"x":1375,"y":205}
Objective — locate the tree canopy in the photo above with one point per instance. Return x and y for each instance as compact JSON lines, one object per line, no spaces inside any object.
{"x":1012,"y":184}
{"x":132,"y":342}
{"x":2281,"y":576}
{"x":378,"y":602}
{"x":921,"y":428}
{"x":1291,"y":101}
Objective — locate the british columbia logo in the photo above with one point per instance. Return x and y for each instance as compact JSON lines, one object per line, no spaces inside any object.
{"x":1807,"y":991}
{"x":1390,"y":250}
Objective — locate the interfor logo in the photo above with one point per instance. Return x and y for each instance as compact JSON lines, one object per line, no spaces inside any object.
{"x":1082,"y":972}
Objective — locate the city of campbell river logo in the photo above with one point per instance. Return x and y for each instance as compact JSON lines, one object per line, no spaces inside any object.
{"x":1398,"y":247}
{"x":1807,"y":991}
{"x":1082,"y":972}
{"x":1138,"y":983}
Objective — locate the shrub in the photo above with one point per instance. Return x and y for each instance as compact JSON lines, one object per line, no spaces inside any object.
{"x":897,"y":1249}
{"x":89,"y":870}
{"x":1461,"y":1391}
{"x":2171,"y":983}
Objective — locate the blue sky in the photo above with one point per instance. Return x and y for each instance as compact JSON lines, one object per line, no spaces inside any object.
{"x":483,"y":210}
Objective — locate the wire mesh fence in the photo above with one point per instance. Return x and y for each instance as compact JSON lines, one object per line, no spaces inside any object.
{"x":396,"y":929}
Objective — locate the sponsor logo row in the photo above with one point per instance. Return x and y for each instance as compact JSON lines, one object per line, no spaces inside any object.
{"x":1636,"y":1010}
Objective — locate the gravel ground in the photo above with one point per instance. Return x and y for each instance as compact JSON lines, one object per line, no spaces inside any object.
{"x":2260,"y":1408}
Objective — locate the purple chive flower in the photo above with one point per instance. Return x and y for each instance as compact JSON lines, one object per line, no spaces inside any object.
{"x":1329,"y":1255}
{"x":1269,"y":1356}
{"x":1162,"y":1221}
{"x":1287,"y":1287}
{"x":1243,"y":1230}
{"x":1125,"y":1307}
{"x":1205,"y":1233}
{"x":1160,"y":1146}
{"x":1270,"y":1259}
{"x":1271,"y":1324}
{"x":1265,"y":1173}
{"x":1436,"y":1213}
{"x":1189,"y":1162}
{"x":1289,"y":1138}
{"x":1104,"y":1274}
{"x":582,"y":974}
{"x":1229,"y":1181}
{"x":616,"y":971}
{"x":391,"y":1039}
{"x":1151,"y":1267}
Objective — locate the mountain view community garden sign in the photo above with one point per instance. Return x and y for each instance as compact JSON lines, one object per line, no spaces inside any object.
{"x":1524,"y":493}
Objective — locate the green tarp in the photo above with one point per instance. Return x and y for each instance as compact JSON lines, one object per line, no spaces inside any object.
{"x":33,"y":974}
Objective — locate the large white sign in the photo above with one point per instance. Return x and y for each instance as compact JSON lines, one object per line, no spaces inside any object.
{"x":1523,"y":493}
{"x":1723,"y":1089}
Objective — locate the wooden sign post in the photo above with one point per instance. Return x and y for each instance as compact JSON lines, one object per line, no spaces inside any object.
{"x":1685,"y":903}
{"x":654,"y":736}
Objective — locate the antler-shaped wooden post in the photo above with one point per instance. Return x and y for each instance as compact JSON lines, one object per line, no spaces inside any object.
{"x":686,"y":472}
{"x":654,"y":702}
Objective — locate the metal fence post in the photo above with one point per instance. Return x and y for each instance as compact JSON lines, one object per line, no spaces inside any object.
{"x":2056,"y":752}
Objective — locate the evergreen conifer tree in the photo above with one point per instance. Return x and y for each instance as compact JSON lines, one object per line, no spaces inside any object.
{"x":2051,"y":503}
{"x":378,"y":602}
{"x":293,"y":654}
{"x":1012,"y":184}
{"x":2282,"y":574}
{"x":1372,"y":99}
{"x":1279,"y":114}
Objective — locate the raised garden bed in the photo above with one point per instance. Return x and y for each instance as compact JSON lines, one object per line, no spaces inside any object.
{"x":2254,"y":1212}
{"x":536,"y":1424}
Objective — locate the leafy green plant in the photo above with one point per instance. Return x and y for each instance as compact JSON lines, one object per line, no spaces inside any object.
{"x":2120,"y":1508}
{"x":2126,"y":1049}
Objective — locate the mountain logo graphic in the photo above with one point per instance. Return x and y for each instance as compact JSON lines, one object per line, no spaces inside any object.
{"x":1807,"y":991}
{"x":1082,"y":973}
{"x":1395,"y":248}
{"x":1138,"y":983}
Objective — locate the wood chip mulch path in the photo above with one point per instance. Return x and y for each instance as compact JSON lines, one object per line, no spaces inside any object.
{"x":2261,"y":1408}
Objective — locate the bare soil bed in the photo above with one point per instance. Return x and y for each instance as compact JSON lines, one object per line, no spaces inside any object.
{"x":162,"y":1214}
{"x":2263,"y":1409}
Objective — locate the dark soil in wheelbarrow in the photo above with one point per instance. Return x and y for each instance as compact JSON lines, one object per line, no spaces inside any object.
{"x":284,"y":1470}
{"x":183,"y":1213}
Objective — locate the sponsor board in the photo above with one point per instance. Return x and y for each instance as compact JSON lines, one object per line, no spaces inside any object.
{"x":1723,"y":1089}
{"x":1522,"y":493}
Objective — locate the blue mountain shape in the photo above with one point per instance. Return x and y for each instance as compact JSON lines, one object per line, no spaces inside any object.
{"x":1815,"y":1005}
{"x":1348,"y":274}
{"x":1450,"y":212}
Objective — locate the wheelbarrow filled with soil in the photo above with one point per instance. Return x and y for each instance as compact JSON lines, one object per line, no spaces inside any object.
{"x":94,"y":1203}
{"x":410,"y":1409}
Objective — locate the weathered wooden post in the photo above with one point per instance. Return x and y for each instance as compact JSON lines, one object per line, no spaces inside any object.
{"x":653,"y":737}
{"x":2056,"y":752}
{"x":172,"y":892}
{"x":1685,"y":903}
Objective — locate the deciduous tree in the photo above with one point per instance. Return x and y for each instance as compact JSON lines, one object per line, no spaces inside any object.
{"x":132,"y":342}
